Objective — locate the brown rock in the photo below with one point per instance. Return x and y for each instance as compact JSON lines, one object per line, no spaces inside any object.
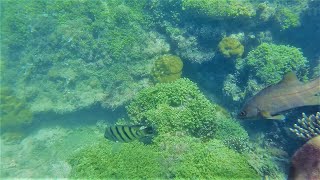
{"x":305,"y":163}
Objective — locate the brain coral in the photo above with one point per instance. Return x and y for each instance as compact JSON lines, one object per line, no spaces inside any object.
{"x":167,"y":68}
{"x":230,"y":47}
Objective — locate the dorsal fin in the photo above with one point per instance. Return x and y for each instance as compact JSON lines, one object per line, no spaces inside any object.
{"x":290,"y":78}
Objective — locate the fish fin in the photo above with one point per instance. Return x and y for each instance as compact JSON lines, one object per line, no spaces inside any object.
{"x":279,"y":117}
{"x":267,"y":115}
{"x":290,"y":78}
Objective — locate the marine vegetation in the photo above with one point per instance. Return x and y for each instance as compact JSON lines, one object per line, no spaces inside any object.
{"x":180,"y":106}
{"x":307,"y":127}
{"x":231,"y":47}
{"x":14,"y":111}
{"x":167,"y":68}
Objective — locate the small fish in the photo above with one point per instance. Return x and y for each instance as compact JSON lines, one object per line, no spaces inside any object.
{"x":128,"y":133}
{"x":287,"y":94}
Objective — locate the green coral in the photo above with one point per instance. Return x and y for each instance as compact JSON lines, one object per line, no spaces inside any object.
{"x":180,"y":106}
{"x":219,"y":9}
{"x":188,"y":157}
{"x":270,"y":62}
{"x":14,"y":111}
{"x":287,"y":18}
{"x":170,"y":156}
{"x":231,"y":47}
{"x":288,"y":13}
{"x":167,"y":68}
{"x":117,"y":161}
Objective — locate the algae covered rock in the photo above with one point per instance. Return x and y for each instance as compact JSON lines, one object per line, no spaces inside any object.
{"x":167,"y":68}
{"x":230,"y":47}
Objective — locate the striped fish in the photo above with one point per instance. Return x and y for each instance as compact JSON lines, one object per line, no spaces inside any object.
{"x":128,"y":133}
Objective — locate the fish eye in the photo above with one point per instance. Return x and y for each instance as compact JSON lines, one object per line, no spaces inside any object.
{"x":243,"y":113}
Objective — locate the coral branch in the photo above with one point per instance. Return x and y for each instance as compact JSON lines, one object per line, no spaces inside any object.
{"x":307,"y":127}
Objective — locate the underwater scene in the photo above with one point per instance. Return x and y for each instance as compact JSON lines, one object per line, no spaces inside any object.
{"x":160,"y":89}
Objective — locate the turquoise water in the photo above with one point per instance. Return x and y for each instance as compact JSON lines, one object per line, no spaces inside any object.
{"x":69,"y":69}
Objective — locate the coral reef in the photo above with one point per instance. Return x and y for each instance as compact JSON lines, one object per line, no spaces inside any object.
{"x":86,"y":52}
{"x":266,"y":157}
{"x":267,"y":64}
{"x":167,"y":68}
{"x":239,"y":144}
{"x":43,"y":153}
{"x":171,"y":156}
{"x":61,"y":57}
{"x":270,"y":62}
{"x":188,"y":45}
{"x":217,"y":9}
{"x":180,"y":106}
{"x":231,"y":47}
{"x":187,"y":157}
{"x":14,"y":111}
{"x":108,"y":160}
{"x":286,"y":18}
{"x":307,"y":127}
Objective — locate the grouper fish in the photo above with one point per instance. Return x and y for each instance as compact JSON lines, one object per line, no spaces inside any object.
{"x":287,"y":94}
